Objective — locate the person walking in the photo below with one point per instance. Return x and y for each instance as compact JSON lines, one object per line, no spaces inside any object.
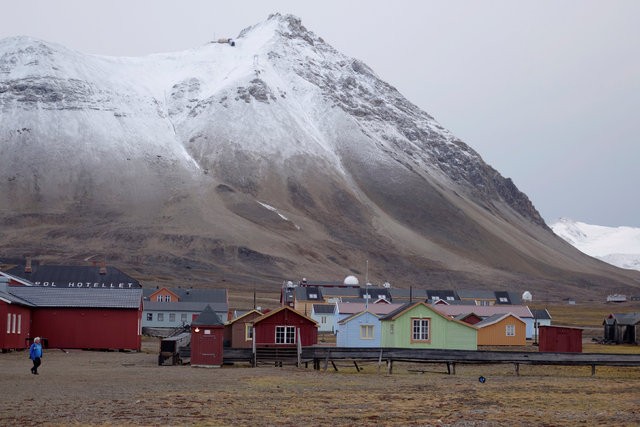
{"x":35,"y":354}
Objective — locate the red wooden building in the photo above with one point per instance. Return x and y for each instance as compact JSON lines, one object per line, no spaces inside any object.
{"x":207,"y":336}
{"x":283,"y":328}
{"x":15,"y":318}
{"x":560,"y":339}
{"x":100,"y":316}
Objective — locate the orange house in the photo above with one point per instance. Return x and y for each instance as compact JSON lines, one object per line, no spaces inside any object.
{"x":502,"y":329}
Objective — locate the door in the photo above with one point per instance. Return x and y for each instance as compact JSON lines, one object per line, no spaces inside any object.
{"x":210,"y":347}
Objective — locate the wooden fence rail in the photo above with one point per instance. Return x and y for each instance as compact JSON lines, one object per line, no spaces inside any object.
{"x":321,"y":357}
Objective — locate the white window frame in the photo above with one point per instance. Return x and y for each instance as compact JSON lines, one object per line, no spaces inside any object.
{"x":8,"y":323}
{"x":366,"y":332}
{"x":160,"y":317}
{"x":183,"y":317}
{"x":159,"y":298}
{"x":13,"y":326}
{"x":167,"y":298}
{"x":19,"y":323}
{"x":248,"y":331}
{"x":285,"y":335}
{"x":172,"y":317}
{"x":510,"y":330}
{"x":420,"y":329}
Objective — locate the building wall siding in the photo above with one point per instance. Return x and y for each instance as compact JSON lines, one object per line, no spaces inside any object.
{"x":14,"y":332}
{"x":444,"y":333}
{"x":88,"y":328}
{"x":495,"y":334}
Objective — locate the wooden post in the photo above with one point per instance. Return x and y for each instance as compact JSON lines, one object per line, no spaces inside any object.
{"x":379,"y":360}
{"x":517,"y":366}
{"x":253,"y":348}
{"x":299,"y":348}
{"x":326,"y":361}
{"x":335,"y":368}
{"x":356,"y":365}
{"x":389,"y":366}
{"x":593,"y":370}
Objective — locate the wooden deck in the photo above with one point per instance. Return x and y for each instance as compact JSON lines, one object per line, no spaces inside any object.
{"x":322,"y":357}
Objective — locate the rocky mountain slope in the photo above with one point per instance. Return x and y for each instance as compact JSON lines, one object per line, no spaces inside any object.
{"x":275,"y":158}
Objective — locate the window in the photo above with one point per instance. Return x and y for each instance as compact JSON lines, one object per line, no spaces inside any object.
{"x":511,"y":330}
{"x":159,"y":298}
{"x":149,"y":317}
{"x":9,"y":323}
{"x":248,"y":332}
{"x":450,"y":298}
{"x":323,"y":319}
{"x":13,"y":327}
{"x":285,"y":335}
{"x":366,"y":332}
{"x":172,"y":317}
{"x":313,"y":296}
{"x":183,"y":317}
{"x":160,"y":317}
{"x":504,"y":299}
{"x":420,"y":330}
{"x":19,"y":323}
{"x":167,"y":298}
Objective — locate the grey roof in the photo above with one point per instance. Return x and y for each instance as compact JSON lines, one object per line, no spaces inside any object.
{"x":340,"y":292}
{"x":79,"y":297}
{"x":208,"y":317}
{"x":12,"y":299}
{"x":476,"y":294}
{"x":324,"y":308}
{"x":540,"y":314}
{"x":627,"y":318}
{"x":445,"y":294}
{"x":64,"y":275}
{"x":489,"y":320}
{"x":196,"y":307}
{"x":416,"y":294}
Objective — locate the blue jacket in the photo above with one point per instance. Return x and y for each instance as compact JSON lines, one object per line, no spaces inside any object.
{"x":35,"y":351}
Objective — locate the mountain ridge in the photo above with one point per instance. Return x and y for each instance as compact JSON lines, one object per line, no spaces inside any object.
{"x":170,"y":160}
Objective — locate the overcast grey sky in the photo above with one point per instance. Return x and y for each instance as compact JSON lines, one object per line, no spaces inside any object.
{"x":548,"y":92}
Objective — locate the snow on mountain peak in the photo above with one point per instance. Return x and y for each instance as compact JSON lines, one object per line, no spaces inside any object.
{"x":619,"y":246}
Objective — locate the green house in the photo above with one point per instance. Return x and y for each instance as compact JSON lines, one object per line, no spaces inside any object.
{"x":420,"y":326}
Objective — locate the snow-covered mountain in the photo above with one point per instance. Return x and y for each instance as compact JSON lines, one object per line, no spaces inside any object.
{"x":619,"y":246}
{"x":275,"y":157}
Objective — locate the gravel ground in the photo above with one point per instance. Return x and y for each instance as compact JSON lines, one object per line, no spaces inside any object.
{"x":129,"y":388}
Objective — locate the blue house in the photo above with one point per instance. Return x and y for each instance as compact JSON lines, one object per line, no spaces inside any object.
{"x":359,"y":330}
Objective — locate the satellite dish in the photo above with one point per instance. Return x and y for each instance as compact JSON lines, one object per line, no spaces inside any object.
{"x":526,"y":296}
{"x":351,"y":280}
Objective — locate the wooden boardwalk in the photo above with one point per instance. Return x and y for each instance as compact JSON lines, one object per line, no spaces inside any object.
{"x":322,"y":357}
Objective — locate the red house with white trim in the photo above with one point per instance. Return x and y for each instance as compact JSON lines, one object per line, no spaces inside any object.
{"x":283,"y":328}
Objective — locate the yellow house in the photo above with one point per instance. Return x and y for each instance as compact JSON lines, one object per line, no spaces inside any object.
{"x":502,"y":329}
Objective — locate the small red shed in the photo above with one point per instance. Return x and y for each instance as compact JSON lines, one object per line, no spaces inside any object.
{"x":560,"y":339}
{"x":207,"y":337}
{"x":282,"y":327}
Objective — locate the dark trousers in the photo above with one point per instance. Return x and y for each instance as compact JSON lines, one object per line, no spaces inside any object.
{"x":36,"y":363}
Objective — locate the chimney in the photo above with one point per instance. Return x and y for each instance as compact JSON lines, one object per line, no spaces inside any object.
{"x":27,"y":267}
{"x":103,"y":267}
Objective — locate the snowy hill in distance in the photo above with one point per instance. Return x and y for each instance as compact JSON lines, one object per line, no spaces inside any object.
{"x":619,"y":246}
